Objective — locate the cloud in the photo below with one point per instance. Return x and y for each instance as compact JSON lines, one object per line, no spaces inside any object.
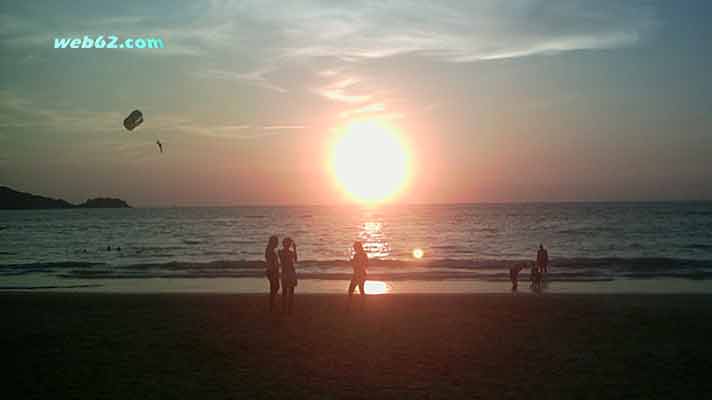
{"x":194,"y":37}
{"x":235,"y":127}
{"x":269,"y":44}
{"x":337,"y":91}
{"x":172,"y":123}
{"x":336,"y":38}
{"x":282,"y":127}
{"x":20,"y":112}
{"x":353,"y":31}
{"x":175,"y":123}
{"x":339,"y":95}
{"x":328,"y":73}
{"x":367,"y":109}
{"x":449,"y":31}
{"x":21,"y":31}
{"x":255,"y":78}
{"x":613,"y":40}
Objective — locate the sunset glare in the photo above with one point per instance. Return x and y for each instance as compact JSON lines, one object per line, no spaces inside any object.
{"x":370,"y":161}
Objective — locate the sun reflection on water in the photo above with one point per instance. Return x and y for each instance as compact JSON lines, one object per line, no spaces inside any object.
{"x":374,"y":240}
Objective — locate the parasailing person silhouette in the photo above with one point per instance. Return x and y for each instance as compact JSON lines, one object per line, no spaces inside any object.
{"x":134,"y":120}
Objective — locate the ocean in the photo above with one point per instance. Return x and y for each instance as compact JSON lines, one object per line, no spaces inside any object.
{"x":469,"y":247}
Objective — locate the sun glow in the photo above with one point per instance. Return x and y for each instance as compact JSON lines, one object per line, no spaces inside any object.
{"x":370,"y":161}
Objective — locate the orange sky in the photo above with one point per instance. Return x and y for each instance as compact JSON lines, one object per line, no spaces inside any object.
{"x":538,"y":102}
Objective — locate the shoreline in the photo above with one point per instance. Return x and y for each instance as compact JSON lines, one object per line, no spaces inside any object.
{"x":602,"y":275}
{"x":652,"y":286}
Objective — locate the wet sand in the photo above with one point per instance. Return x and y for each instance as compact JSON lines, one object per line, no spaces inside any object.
{"x":402,"y":346}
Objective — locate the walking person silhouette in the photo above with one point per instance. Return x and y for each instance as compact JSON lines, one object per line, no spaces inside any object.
{"x":359,"y":263}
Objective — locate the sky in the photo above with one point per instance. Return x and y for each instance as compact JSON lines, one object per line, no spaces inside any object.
{"x":498,"y":101}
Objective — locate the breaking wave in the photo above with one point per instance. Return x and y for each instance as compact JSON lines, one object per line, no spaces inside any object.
{"x":562,"y":269}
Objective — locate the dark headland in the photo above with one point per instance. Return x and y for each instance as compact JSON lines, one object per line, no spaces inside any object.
{"x":11,"y":199}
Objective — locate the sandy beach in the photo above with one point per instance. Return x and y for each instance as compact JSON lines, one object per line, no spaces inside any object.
{"x":401,"y":346}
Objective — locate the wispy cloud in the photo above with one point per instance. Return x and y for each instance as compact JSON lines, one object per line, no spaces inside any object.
{"x":612,"y":40}
{"x":175,"y":123}
{"x":21,"y":112}
{"x":337,"y":37}
{"x":338,"y":91}
{"x":265,"y":44}
{"x":195,"y":37}
{"x":169,"y":123}
{"x":255,"y":78}
{"x":282,"y":127}
{"x":22,"y":31}
{"x":329,"y":72}
{"x":449,"y":31}
{"x":367,"y":109}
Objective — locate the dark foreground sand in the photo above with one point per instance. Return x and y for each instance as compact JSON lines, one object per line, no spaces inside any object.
{"x":403,"y":346}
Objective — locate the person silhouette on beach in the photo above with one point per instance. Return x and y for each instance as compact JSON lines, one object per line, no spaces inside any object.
{"x":536,"y":277}
{"x":272,"y":269}
{"x":359,"y":263}
{"x":514,"y":275}
{"x":288,"y":259}
{"x":542,"y":259}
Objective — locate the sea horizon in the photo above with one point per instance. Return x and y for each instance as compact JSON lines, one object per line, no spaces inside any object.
{"x":594,"y":246}
{"x":387,"y":205}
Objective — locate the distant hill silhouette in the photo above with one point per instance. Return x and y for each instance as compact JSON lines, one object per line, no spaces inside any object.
{"x":13,"y":200}
{"x":104,"y":202}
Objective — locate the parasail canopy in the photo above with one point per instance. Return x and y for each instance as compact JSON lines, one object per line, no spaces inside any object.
{"x":133,"y":120}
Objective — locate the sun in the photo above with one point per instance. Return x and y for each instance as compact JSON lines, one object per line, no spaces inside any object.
{"x":370,"y":161}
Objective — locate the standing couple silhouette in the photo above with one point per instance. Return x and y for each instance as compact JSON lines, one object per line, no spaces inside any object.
{"x":281,"y":269}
